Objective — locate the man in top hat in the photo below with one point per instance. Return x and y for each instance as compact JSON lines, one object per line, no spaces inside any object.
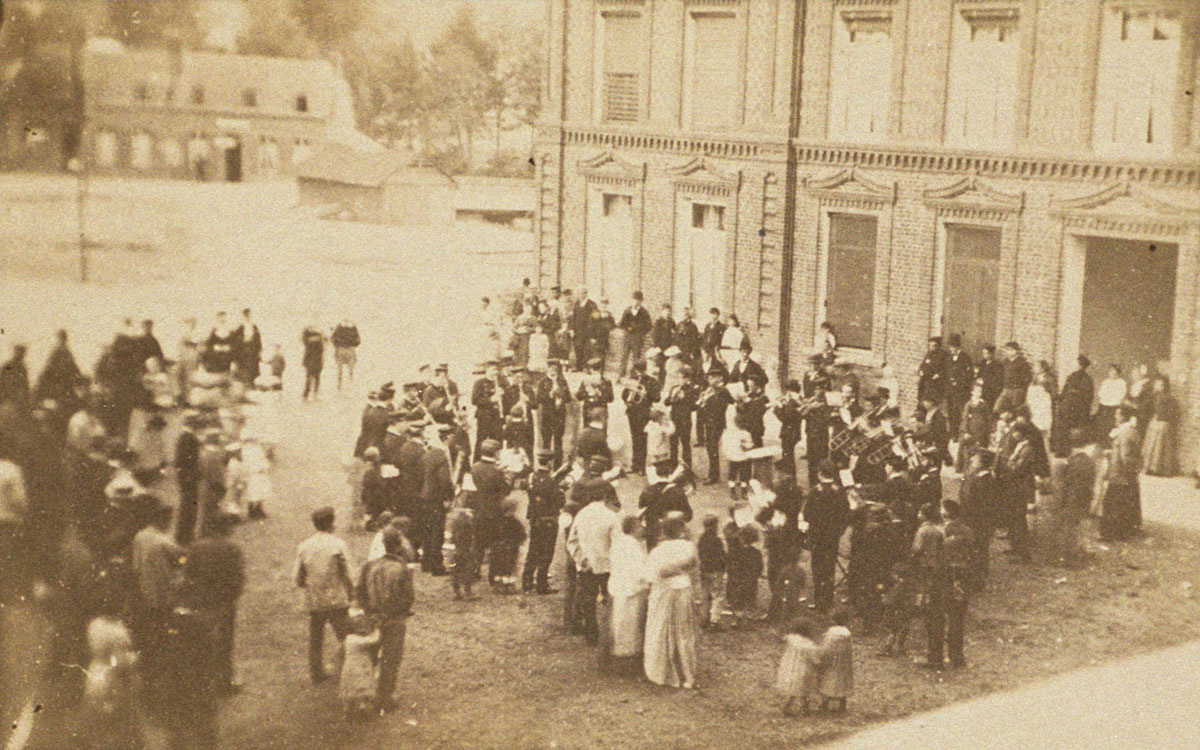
{"x":552,"y":395}
{"x":931,"y":375}
{"x":441,"y":396}
{"x":636,"y":323}
{"x":662,"y":331}
{"x":639,"y":395}
{"x":545,"y":503}
{"x":492,"y":400}
{"x":960,"y":375}
{"x":582,"y":318}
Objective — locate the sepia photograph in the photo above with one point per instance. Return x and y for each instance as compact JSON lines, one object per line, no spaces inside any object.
{"x":573,"y":374}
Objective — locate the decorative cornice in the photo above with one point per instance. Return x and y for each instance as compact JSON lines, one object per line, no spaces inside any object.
{"x":864,"y":3}
{"x":1181,"y":173}
{"x":699,"y":169}
{"x":607,"y":167}
{"x":1128,"y":209}
{"x":972,"y":197}
{"x":850,"y":186}
{"x":608,"y":3}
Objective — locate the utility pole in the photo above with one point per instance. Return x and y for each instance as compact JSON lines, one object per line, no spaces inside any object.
{"x":81,"y":190}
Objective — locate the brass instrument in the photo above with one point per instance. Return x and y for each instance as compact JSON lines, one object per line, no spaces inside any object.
{"x":856,"y":437}
{"x":634,"y":386}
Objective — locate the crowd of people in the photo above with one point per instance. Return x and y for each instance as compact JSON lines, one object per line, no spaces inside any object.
{"x":576,"y":434}
{"x":120,"y":488}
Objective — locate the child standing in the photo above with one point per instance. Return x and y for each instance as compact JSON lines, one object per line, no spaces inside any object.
{"x":899,"y":607}
{"x":510,"y":534}
{"x":357,"y":683}
{"x":799,"y":673}
{"x":461,"y":547}
{"x":787,"y":593}
{"x":277,"y":364}
{"x":745,"y":567}
{"x":711,"y":551}
{"x":837,"y":664}
{"x":735,"y":442}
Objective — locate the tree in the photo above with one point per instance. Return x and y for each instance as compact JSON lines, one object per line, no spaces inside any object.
{"x":330,"y":23}
{"x":463,"y":65}
{"x":151,"y":23}
{"x":273,"y":29}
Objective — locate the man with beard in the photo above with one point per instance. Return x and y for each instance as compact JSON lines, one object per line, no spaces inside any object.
{"x":828,"y":514}
{"x":931,"y":375}
{"x":582,"y":318}
{"x":687,"y":338}
{"x":714,"y":331}
{"x":990,"y":371}
{"x":636,"y":323}
{"x":249,"y":350}
{"x":662,"y":332}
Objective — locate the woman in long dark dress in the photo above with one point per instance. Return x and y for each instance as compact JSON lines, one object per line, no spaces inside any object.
{"x":1158,"y":447}
{"x":1121,"y":517}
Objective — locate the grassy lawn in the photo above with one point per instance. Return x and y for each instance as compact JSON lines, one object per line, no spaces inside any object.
{"x":498,"y":673}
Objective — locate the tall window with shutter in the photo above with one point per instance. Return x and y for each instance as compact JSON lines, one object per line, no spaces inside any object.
{"x":620,"y":85}
{"x":860,"y":76}
{"x":850,"y":278}
{"x":1135,"y":86}
{"x":712,"y":86}
{"x":982,"y":98}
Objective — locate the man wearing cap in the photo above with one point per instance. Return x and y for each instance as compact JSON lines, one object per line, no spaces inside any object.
{"x":595,"y":390}
{"x":491,"y":399}
{"x":552,"y":395}
{"x":441,"y":396}
{"x":1018,"y":376}
{"x":437,"y":493}
{"x":491,"y":487}
{"x":711,"y":406}
{"x":639,"y":395}
{"x":662,"y":331}
{"x":385,"y":593}
{"x":687,"y":338}
{"x":636,"y":323}
{"x":746,"y":369}
{"x":960,"y":374}
{"x":681,"y":400}
{"x":545,"y":503}
{"x":410,"y":408}
{"x":931,"y":375}
{"x":374,"y":423}
{"x":714,"y":331}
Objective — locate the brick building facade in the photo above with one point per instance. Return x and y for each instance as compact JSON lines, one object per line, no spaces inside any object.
{"x":209,"y":116}
{"x":1004,"y":169}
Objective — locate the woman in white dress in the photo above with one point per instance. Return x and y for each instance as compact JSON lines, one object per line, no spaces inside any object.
{"x":629,"y":587}
{"x":731,"y":342}
{"x":671,"y":622}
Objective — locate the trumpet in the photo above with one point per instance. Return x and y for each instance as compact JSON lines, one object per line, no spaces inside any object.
{"x":636,"y":387}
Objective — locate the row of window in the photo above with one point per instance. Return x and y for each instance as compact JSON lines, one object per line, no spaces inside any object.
{"x":1135,"y":92}
{"x":249,"y":97}
{"x":146,"y":151}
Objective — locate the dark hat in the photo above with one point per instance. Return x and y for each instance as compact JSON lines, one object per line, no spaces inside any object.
{"x":638,"y":296}
{"x":489,"y":447}
{"x":745,"y":345}
{"x":935,"y":339}
{"x":718,"y":371}
{"x":416,"y":428}
{"x":1083,"y":361}
{"x":1013,"y":345}
{"x":556,"y":289}
{"x":955,"y":340}
{"x":443,"y":367}
{"x":414,"y":384}
{"x":488,"y":363}
{"x":815,"y":358}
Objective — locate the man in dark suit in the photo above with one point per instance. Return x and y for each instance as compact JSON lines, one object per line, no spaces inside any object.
{"x":552,"y":395}
{"x":931,"y":375}
{"x":410,"y":458}
{"x":687,"y":338}
{"x":638,"y":397}
{"x":592,"y":442}
{"x":375,"y":419}
{"x":714,"y":331}
{"x":582,"y":323}
{"x":960,"y":374}
{"x":491,"y":487}
{"x":746,"y":369}
{"x":828,"y":514}
{"x":662,"y":333}
{"x":636,"y":323}
{"x":990,"y":371}
{"x":437,"y":492}
{"x":492,"y":401}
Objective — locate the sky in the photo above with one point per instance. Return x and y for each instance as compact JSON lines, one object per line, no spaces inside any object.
{"x":423,"y":20}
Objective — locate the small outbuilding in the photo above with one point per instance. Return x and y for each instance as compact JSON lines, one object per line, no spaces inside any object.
{"x":379,"y":187}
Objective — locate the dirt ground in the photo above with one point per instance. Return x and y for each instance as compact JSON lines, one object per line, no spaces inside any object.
{"x":498,"y":673}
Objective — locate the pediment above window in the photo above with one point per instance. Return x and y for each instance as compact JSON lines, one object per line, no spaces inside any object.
{"x":850,"y":185}
{"x":699,"y":173}
{"x":609,"y":167}
{"x":1125,"y":207}
{"x":970,"y":194}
